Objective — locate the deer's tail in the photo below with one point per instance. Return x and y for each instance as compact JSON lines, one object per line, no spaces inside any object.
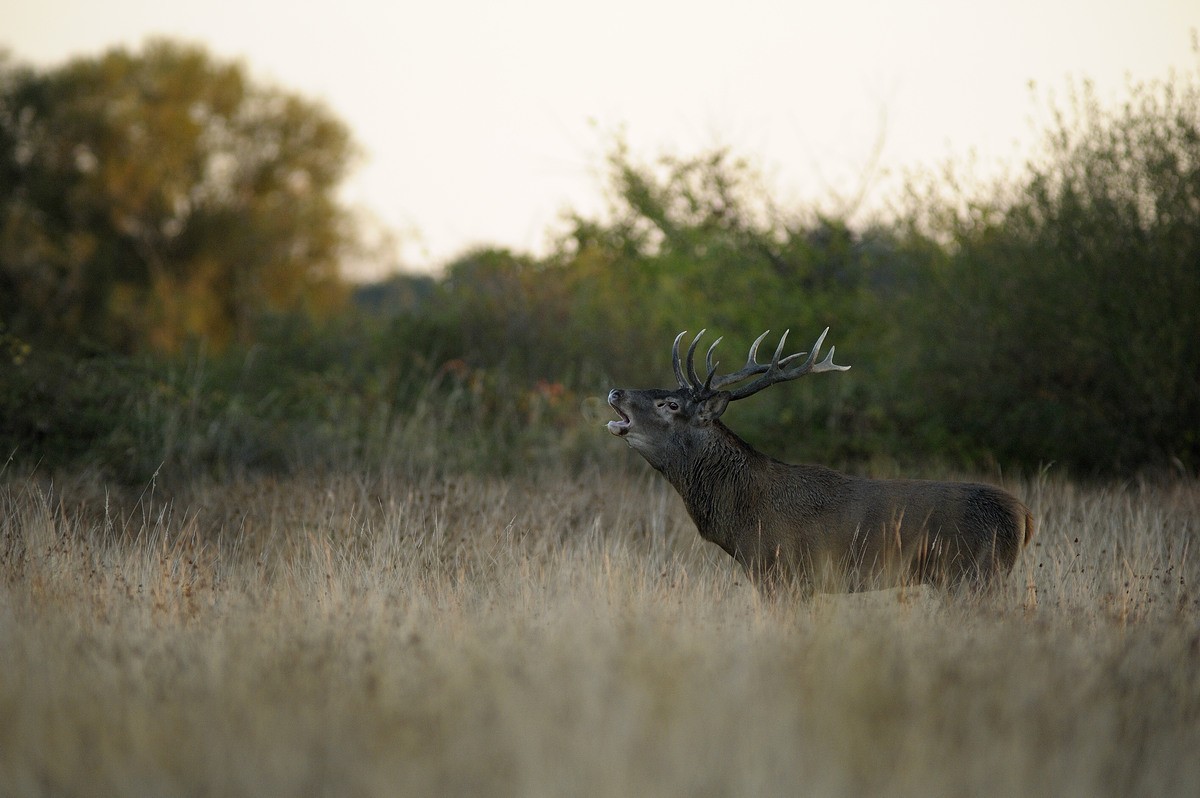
{"x":1028,"y":526}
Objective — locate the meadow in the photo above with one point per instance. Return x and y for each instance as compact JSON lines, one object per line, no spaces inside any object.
{"x":363,"y":634}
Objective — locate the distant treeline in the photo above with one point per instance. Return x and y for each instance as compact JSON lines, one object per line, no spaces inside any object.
{"x":1051,"y":317}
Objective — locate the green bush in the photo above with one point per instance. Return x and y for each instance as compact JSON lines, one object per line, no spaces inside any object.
{"x":1064,"y":322}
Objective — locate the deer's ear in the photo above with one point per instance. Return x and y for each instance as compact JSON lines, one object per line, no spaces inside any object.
{"x":712,"y":407}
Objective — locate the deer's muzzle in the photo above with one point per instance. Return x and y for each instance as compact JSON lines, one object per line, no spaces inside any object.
{"x":620,"y":427}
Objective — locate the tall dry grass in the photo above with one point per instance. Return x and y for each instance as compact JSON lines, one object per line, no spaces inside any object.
{"x":351,"y":635}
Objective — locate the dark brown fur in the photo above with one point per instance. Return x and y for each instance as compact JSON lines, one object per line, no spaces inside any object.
{"x":811,"y":524}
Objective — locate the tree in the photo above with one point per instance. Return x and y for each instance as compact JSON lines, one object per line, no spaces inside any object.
{"x":151,"y":197}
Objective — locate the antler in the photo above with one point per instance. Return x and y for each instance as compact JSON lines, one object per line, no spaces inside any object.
{"x":692,"y":380}
{"x":775,"y":371}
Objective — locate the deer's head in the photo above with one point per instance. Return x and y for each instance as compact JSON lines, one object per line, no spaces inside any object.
{"x":665,"y":425}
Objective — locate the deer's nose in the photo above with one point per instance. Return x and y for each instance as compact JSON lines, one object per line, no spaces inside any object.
{"x":615,"y":395}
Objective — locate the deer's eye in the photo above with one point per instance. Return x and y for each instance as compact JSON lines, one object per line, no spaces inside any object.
{"x":673,"y":405}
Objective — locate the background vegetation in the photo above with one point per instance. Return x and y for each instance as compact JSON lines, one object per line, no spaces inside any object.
{"x":170,"y":299}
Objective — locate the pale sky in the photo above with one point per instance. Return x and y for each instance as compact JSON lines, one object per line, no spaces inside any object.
{"x":482,"y":122}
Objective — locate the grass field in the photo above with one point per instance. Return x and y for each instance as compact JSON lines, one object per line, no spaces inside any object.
{"x":352,"y":635}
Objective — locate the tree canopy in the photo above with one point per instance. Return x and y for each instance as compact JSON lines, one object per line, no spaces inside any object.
{"x":150,"y":197}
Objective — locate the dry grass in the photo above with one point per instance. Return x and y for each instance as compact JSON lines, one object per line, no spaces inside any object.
{"x":349,"y":636}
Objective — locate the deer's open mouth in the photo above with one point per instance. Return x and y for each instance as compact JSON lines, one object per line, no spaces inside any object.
{"x":619,"y":427}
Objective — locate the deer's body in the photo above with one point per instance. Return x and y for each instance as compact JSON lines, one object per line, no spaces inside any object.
{"x":807,"y":522}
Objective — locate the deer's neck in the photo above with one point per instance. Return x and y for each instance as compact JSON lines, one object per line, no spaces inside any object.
{"x":716,"y":481}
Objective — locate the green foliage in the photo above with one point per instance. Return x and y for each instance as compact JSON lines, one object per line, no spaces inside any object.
{"x":147,"y":199}
{"x":1068,"y":323}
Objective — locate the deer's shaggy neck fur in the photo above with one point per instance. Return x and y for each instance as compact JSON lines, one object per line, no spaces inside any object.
{"x":716,"y":479}
{"x":744,"y":501}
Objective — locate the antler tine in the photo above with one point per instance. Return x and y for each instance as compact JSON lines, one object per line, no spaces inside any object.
{"x":754,"y":347}
{"x":828,"y":365}
{"x":683,"y":383}
{"x":779,"y":349}
{"x":691,"y":365}
{"x":708,"y":364}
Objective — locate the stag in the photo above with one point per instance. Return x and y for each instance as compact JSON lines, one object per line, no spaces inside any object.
{"x":807,"y":524}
